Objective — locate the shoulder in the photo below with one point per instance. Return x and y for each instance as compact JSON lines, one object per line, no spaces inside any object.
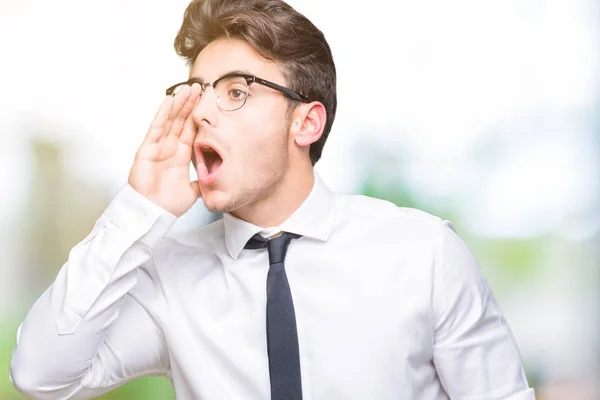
{"x":411,"y":230}
{"x":369,"y":211}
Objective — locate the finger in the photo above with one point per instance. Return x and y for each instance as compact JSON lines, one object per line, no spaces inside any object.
{"x":157,"y":127}
{"x":188,"y":132}
{"x":184,"y":112}
{"x":179,"y":101}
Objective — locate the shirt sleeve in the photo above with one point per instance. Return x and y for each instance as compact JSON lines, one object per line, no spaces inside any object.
{"x":85,"y":334}
{"x":475,"y":354}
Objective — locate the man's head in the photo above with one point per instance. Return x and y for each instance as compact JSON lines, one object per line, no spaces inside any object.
{"x":265,"y":143}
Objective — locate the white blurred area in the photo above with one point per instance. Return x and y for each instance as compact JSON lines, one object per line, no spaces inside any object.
{"x":491,"y":106}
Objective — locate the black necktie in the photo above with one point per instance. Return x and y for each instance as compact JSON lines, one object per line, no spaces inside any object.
{"x":282,"y":336}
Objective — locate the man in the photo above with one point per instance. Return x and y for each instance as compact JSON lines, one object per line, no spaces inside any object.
{"x":298,"y":292}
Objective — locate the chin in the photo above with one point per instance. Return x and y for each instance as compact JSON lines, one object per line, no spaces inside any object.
{"x":217,"y":202}
{"x":214,"y":203}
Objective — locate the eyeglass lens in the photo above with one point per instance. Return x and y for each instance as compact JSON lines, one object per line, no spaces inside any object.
{"x":230,"y":93}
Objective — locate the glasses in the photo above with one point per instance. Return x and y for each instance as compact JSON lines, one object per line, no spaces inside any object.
{"x":231,"y":90}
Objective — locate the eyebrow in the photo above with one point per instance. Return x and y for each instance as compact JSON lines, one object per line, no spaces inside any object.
{"x":235,"y":71}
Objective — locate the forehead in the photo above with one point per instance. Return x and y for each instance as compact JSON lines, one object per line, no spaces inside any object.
{"x":225,"y":55}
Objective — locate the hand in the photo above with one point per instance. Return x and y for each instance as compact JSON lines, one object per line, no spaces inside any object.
{"x":160,"y":171}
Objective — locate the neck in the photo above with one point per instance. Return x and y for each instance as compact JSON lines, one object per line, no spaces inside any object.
{"x":282,"y":202}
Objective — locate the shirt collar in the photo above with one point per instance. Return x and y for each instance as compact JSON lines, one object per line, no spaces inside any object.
{"x":314,"y":219}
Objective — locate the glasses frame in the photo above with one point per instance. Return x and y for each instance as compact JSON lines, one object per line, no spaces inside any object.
{"x":292,"y":94}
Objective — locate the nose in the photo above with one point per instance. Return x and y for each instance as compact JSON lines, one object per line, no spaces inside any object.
{"x":206,"y":110}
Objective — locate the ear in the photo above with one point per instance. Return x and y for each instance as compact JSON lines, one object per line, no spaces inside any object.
{"x":308,"y":123}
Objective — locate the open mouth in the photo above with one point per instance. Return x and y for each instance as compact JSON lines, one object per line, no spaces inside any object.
{"x":209,"y":164}
{"x":212,"y":159}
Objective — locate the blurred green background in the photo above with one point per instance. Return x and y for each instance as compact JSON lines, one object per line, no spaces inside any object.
{"x":486,"y":114}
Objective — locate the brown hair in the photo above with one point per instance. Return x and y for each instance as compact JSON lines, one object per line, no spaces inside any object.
{"x":278,"y":33}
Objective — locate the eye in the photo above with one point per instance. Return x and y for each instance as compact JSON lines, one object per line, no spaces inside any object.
{"x":237,"y":94}
{"x":232,"y":92}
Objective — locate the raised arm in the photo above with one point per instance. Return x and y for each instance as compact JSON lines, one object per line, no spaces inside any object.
{"x":86,"y":334}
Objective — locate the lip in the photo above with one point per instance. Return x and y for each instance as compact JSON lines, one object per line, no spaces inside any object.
{"x":204,"y":177}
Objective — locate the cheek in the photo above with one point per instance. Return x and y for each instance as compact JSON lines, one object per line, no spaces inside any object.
{"x":255,"y":134}
{"x":266,"y":116}
{"x":255,"y":139}
{"x":256,"y":157}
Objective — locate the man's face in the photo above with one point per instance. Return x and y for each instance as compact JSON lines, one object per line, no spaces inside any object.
{"x":252,"y":141}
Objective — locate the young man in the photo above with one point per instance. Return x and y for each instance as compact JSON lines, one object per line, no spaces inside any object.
{"x":298,"y":292}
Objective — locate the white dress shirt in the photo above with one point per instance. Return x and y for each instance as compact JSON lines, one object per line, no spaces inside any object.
{"x":390,"y":304}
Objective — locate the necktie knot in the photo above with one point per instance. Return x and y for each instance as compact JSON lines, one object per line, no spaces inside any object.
{"x":277,"y":246}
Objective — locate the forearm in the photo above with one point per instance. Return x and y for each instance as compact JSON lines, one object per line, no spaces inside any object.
{"x":63,"y":332}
